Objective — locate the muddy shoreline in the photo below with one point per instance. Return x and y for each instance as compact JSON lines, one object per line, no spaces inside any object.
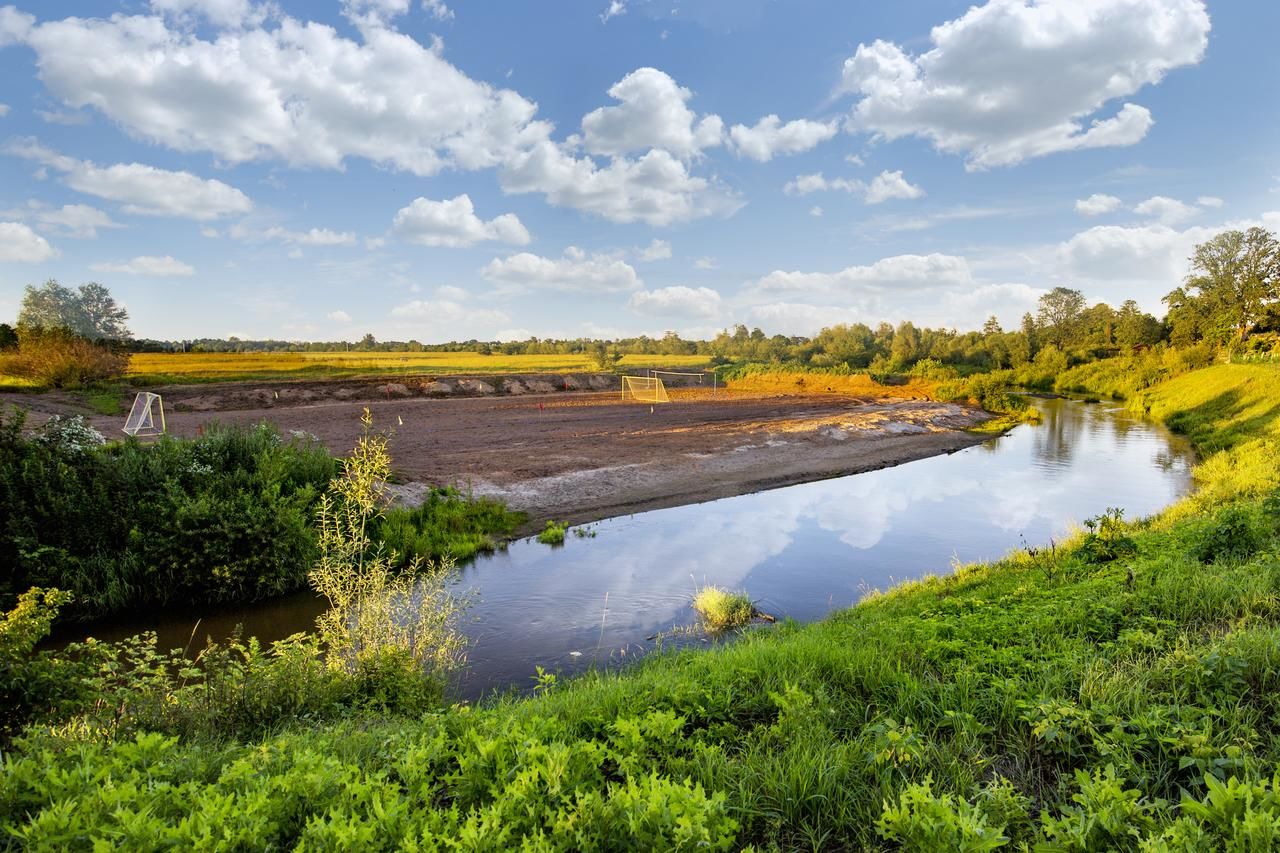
{"x":582,"y":456}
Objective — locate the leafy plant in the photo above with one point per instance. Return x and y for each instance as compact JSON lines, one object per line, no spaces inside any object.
{"x":721,"y":609}
{"x":1106,"y":538}
{"x":553,"y":533}
{"x":1232,"y":534}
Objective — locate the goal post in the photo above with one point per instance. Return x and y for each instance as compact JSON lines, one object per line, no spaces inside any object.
{"x":644,"y":389}
{"x":146,"y":417}
{"x":701,"y":375}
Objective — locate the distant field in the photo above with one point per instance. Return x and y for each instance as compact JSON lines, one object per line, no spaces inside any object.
{"x":173,"y":367}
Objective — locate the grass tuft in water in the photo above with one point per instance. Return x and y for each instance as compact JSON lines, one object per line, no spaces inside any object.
{"x":553,"y":533}
{"x":722,"y":609}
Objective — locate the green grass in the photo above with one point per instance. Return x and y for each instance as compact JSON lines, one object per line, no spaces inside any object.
{"x":722,"y":609}
{"x":553,"y":533}
{"x":1039,"y":701}
{"x":447,"y":524}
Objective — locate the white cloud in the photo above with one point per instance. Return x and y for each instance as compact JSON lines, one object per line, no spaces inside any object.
{"x":657,"y":250}
{"x":1097,"y":204}
{"x":854,"y":159}
{"x":445,"y":315}
{"x":438,"y":10}
{"x":815,"y":211}
{"x":884,"y":186}
{"x":72,"y":220}
{"x":615,"y":8}
{"x":770,"y":136}
{"x":678,"y":301}
{"x":276,"y":233}
{"x":897,"y":272}
{"x":576,"y":271}
{"x":69,"y":118}
{"x":656,"y":188}
{"x":1167,"y":210}
{"x":795,"y":318}
{"x":19,"y":243}
{"x":1012,"y":80}
{"x":887,"y":185}
{"x":142,"y":189}
{"x":147,"y":265}
{"x":1210,"y":201}
{"x":706,"y":264}
{"x":651,"y":113}
{"x":453,"y":223}
{"x":4,"y":110}
{"x":339,"y":316}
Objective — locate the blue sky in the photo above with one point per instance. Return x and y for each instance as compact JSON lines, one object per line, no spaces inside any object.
{"x":447,"y":169}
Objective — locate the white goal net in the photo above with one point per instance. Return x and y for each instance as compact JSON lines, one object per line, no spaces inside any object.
{"x":147,"y":415}
{"x":644,"y":389}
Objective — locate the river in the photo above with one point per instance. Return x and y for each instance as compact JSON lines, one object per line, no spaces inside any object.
{"x":800,"y":552}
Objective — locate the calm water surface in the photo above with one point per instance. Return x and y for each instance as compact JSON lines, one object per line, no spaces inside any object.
{"x":799,"y":552}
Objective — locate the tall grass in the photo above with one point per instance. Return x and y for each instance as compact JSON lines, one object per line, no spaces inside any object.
{"x":447,"y":524}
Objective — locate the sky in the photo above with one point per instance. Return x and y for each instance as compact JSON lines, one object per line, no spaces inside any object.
{"x":452,"y":169}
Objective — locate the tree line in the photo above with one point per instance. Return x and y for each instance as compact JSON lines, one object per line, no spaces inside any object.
{"x":1230,"y":298}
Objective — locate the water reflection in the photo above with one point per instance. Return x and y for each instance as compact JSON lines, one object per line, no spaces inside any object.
{"x":799,"y":551}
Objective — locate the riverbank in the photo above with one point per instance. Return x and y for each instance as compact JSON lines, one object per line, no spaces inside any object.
{"x":1099,"y":694}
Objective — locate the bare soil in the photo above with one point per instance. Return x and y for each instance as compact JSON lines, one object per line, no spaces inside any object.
{"x":580,"y":456}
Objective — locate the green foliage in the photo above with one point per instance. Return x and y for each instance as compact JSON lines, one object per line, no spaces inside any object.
{"x":224,"y":517}
{"x":1132,"y":706}
{"x":553,"y":533}
{"x":381,"y":619}
{"x":1232,"y":534}
{"x":1106,"y":538}
{"x":446,"y":524}
{"x":90,"y":312}
{"x":722,"y":609}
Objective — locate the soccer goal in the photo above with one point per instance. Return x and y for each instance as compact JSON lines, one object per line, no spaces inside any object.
{"x":701,"y":376}
{"x":644,"y":389}
{"x":147,"y":415}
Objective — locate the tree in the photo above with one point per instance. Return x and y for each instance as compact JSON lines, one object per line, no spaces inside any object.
{"x":1058,"y":314}
{"x":91,"y":312}
{"x":8,"y":337}
{"x":992,"y":326}
{"x":1234,"y":281}
{"x":1135,"y":328}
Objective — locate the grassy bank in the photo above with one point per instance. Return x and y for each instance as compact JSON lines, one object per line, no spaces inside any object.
{"x":1086,"y":696}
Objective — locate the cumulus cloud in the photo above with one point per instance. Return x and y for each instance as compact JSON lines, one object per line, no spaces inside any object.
{"x":1210,"y":201}
{"x":142,"y":189}
{"x":707,"y":263}
{"x":677,"y":301}
{"x":657,"y":250}
{"x":652,"y":113}
{"x":815,"y":211}
{"x":453,"y":223}
{"x":770,"y":137}
{"x":306,"y":94}
{"x":339,"y":316}
{"x":575,"y":271}
{"x":150,"y":265}
{"x":897,"y":272}
{"x":1011,"y":79}
{"x":223,"y":13}
{"x":18,"y":243}
{"x":1097,"y":204}
{"x":1161,"y":208}
{"x":4,"y":110}
{"x":883,"y":187}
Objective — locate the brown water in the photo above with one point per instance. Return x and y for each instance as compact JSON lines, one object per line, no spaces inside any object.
{"x":800,"y":551}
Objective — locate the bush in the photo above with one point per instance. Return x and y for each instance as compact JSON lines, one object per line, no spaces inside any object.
{"x":1106,"y":539}
{"x":225,"y":517}
{"x":553,"y":533}
{"x":59,"y":359}
{"x":1231,"y":535}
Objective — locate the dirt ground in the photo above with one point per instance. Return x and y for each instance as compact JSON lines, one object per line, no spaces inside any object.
{"x":582,"y":456}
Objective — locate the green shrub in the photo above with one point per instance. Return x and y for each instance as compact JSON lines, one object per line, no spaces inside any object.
{"x":553,"y":533}
{"x":1232,"y":534}
{"x":59,"y":359}
{"x":224,"y":517}
{"x":919,"y":820}
{"x":1106,"y":538}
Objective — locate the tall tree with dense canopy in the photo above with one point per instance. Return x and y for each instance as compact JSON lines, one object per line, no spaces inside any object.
{"x":1059,"y":313}
{"x":1234,"y":281}
{"x":89,"y":312}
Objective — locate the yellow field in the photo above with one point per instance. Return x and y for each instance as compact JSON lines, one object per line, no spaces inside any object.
{"x":176,"y":366}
